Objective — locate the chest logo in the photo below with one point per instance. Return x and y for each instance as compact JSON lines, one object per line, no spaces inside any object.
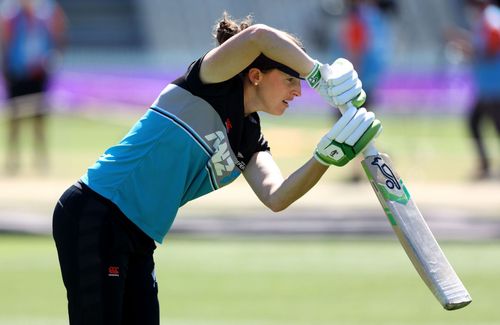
{"x":221,"y":159}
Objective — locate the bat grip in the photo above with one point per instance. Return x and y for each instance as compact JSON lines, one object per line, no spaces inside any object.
{"x":370,"y":149}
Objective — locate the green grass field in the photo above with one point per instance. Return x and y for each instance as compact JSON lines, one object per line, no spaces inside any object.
{"x":421,"y":146}
{"x":266,"y":282}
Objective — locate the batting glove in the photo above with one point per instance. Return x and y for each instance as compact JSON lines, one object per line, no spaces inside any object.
{"x":348,"y":137}
{"x":338,"y":83}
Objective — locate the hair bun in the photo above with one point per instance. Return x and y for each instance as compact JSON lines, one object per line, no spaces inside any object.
{"x":227,"y":27}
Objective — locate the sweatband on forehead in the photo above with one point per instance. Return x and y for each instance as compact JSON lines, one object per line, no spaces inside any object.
{"x":263,"y":63}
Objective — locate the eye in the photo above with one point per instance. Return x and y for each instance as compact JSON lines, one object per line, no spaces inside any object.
{"x":292,"y":81}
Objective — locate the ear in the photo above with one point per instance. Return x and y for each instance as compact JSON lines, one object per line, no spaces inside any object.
{"x":254,"y":75}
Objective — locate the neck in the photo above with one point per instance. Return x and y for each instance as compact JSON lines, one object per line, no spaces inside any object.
{"x":250,"y":99}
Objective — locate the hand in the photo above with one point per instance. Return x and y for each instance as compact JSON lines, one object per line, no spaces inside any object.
{"x":348,"y":137}
{"x":338,"y":83}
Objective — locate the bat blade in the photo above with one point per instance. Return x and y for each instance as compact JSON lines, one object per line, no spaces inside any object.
{"x":414,"y":233}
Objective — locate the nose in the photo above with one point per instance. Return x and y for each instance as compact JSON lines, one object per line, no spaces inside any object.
{"x":297,"y":90}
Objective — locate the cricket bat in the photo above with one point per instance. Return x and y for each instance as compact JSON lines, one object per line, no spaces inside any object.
{"x":412,"y":230}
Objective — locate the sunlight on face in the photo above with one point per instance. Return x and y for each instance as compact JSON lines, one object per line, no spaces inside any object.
{"x":278,"y":90}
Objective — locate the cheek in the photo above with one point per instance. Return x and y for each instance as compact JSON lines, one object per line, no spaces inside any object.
{"x":279,"y":92}
{"x":271,"y":95}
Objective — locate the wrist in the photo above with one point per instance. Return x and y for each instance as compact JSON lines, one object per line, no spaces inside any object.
{"x":314,"y":76}
{"x":320,"y":160}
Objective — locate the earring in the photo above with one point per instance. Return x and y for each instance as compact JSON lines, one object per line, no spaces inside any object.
{"x":256,"y":83}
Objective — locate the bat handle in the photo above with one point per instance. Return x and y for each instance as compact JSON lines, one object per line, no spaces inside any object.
{"x":370,"y":149}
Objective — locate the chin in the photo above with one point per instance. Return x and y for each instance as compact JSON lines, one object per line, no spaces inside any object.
{"x":278,"y":112}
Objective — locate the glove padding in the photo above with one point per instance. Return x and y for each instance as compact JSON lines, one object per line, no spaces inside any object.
{"x":348,"y":137}
{"x":338,"y":83}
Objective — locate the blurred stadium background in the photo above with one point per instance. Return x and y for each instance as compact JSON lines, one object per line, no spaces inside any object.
{"x":157,"y":39}
{"x":331,"y":258}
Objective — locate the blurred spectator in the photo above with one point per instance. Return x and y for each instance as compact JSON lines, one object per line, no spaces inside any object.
{"x":32,"y":34}
{"x":481,"y":44}
{"x":365,"y":39}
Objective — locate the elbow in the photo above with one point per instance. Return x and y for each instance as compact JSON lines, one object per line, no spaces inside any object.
{"x":277,"y":205}
{"x":277,"y":209}
{"x":261,"y":35}
{"x":259,"y":30}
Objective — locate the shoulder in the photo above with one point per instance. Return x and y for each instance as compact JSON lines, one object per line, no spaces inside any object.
{"x":192,"y":82}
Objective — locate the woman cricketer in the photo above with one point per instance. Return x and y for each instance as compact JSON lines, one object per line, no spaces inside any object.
{"x":201,"y":133}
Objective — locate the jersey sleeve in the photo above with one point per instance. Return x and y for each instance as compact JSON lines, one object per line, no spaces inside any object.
{"x":193,"y":83}
{"x":263,"y":145}
{"x":253,"y":141}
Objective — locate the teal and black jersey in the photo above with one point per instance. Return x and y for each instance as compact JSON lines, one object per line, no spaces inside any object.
{"x":194,"y":139}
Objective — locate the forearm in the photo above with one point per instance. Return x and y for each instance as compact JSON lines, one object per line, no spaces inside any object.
{"x":246,"y":46}
{"x":278,"y":46}
{"x":276,"y":192}
{"x":297,"y":184}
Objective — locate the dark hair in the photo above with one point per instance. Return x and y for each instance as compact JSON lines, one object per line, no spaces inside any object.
{"x":228,"y":27}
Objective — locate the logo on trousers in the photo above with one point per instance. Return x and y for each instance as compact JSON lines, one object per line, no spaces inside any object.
{"x":114,"y":271}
